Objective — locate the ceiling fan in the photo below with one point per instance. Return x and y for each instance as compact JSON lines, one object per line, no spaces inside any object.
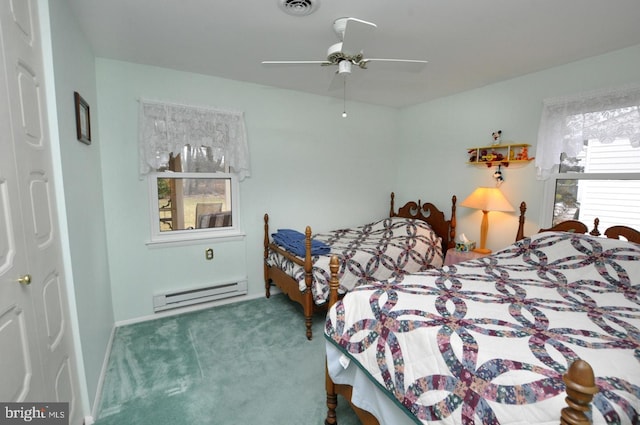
{"x":353,"y":34}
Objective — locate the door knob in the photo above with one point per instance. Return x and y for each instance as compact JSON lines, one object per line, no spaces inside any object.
{"x":25,"y":280}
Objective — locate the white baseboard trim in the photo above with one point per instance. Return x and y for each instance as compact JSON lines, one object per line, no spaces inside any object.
{"x":103,"y":373}
{"x":188,"y":309}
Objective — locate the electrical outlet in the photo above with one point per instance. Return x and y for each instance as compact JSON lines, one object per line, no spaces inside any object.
{"x":208,"y":254}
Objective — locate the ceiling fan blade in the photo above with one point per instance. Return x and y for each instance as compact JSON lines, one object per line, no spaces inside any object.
{"x":279,"y":63}
{"x":356,"y":34}
{"x":411,"y":65}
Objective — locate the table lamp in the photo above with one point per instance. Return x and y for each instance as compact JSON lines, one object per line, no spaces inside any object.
{"x":486,"y":199}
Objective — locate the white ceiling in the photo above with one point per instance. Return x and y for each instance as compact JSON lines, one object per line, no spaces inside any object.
{"x":468,"y":43}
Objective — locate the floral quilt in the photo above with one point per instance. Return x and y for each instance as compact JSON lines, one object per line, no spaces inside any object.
{"x":380,"y":250}
{"x":488,"y":340}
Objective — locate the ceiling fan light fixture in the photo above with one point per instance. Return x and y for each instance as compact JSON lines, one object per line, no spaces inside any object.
{"x":298,"y":7}
{"x":344,"y":67}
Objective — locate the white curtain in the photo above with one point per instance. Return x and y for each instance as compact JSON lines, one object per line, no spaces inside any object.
{"x":165,"y":128}
{"x":567,"y":122}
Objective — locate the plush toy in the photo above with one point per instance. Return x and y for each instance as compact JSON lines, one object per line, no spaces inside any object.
{"x":497,"y":137}
{"x":498,"y":176}
{"x":523,"y":154}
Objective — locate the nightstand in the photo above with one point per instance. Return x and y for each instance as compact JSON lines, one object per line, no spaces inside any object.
{"x":454,"y":257}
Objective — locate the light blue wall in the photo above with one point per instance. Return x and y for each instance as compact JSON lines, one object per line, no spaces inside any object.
{"x":74,"y":70}
{"x":436,"y":135}
{"x":309,"y":167}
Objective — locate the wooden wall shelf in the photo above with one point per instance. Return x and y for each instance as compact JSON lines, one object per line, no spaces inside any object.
{"x":499,"y":154}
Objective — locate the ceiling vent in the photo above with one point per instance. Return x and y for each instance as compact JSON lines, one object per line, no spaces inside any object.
{"x":299,"y":7}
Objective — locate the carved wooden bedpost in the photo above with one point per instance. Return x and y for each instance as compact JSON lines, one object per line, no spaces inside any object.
{"x":334,"y":282}
{"x":308,"y":281}
{"x":581,"y":388}
{"x":392,"y":211}
{"x":332,"y":396}
{"x":595,"y":231}
{"x":454,"y":223}
{"x":267,"y":283}
{"x":520,"y":233}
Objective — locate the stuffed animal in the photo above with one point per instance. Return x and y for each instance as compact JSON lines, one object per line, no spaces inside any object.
{"x":497,"y":137}
{"x":498,"y":176}
{"x":523,"y":154}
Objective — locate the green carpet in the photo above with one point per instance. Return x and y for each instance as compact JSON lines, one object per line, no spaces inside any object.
{"x":242,"y":363}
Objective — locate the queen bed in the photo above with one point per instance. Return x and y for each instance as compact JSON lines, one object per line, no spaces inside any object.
{"x":490,"y":340}
{"x":414,"y":238}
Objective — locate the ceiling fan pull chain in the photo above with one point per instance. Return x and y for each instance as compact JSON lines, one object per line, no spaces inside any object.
{"x":344,"y":98}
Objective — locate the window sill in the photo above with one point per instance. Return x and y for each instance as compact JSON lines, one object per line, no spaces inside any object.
{"x":182,"y":240}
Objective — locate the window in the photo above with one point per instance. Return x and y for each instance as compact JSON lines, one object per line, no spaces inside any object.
{"x":193,"y":159}
{"x":200,"y":203}
{"x":192,"y":206}
{"x":602,"y":181}
{"x":589,"y":154}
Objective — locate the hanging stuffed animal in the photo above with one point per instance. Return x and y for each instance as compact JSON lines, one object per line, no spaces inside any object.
{"x":498,"y":176}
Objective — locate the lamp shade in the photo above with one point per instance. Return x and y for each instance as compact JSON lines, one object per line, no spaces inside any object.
{"x":487,"y":199}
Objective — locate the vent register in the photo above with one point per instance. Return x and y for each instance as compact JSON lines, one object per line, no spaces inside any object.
{"x":298,"y":7}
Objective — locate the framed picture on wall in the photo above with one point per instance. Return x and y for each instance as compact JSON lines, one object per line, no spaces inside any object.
{"x":83,"y":119}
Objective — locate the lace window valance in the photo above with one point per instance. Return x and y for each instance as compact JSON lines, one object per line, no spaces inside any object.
{"x":567,"y":122}
{"x":166,"y":128}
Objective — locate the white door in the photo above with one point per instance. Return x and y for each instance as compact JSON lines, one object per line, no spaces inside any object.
{"x":37,"y":360}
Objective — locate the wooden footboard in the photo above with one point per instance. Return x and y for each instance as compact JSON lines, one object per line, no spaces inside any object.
{"x":286,"y":283}
{"x":579,"y":381}
{"x":333,"y":390}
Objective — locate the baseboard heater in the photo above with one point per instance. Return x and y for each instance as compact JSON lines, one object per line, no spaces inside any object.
{"x":205,"y":294}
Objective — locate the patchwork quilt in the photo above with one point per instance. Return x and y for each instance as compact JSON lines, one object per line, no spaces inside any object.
{"x":488,"y":340}
{"x":380,"y":250}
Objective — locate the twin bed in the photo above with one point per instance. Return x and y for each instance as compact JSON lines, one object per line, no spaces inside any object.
{"x":412,"y":239}
{"x":496,"y":339}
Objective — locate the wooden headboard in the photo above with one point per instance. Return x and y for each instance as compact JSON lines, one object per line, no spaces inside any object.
{"x":575,"y":226}
{"x":429,"y":213}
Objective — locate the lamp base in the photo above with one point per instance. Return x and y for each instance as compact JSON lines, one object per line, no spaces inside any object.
{"x":482,"y":251}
